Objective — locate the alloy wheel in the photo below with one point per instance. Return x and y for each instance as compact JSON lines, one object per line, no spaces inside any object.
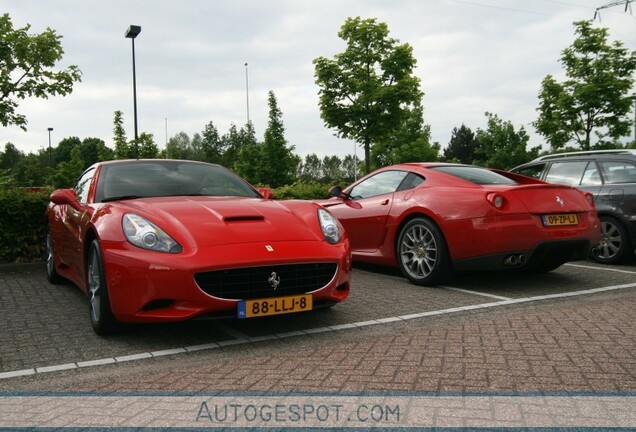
{"x":418,"y":251}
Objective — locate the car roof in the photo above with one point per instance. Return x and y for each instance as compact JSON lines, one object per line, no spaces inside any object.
{"x":591,"y":154}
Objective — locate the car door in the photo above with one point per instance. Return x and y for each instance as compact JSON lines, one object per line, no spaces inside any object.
{"x":619,"y":191}
{"x":581,"y":174}
{"x":74,"y":222}
{"x":364,"y":214}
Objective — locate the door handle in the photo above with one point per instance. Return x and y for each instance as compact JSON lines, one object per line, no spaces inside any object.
{"x":385,"y":202}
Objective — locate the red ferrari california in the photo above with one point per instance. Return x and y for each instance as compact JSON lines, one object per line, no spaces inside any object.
{"x":430,"y":219}
{"x":167,"y":240}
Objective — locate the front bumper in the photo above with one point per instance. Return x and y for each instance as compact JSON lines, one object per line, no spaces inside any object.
{"x":147,"y":286}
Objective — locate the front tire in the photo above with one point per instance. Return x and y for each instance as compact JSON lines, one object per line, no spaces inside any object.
{"x":101,"y":314}
{"x":51,"y":273}
{"x":422,"y":252}
{"x":614,"y":244}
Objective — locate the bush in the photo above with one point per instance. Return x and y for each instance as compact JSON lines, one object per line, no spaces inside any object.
{"x":22,"y":226}
{"x":302,"y":190}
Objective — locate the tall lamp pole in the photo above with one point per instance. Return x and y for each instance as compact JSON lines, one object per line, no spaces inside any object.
{"x":132,"y":32}
{"x":247,"y":94}
{"x":50,"y":129}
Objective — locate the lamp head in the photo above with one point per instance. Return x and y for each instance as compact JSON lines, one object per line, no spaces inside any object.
{"x":133,"y":31}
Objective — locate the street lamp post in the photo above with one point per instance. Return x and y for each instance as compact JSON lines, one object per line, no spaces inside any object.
{"x":132,"y":33}
{"x":50,"y":129}
{"x":247,"y":94}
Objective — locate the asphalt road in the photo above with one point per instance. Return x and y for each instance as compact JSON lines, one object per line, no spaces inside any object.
{"x":571,"y":329}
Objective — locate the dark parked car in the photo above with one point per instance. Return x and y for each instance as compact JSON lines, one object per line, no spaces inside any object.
{"x":610,"y":175}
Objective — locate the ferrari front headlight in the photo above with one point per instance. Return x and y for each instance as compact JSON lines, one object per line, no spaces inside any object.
{"x":330,"y":226}
{"x":144,"y":234}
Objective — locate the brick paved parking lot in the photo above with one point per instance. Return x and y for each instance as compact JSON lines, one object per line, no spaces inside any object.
{"x":569,"y":330}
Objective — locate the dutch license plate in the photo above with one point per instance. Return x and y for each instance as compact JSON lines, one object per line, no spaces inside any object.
{"x":560,"y":219}
{"x":274,"y":306}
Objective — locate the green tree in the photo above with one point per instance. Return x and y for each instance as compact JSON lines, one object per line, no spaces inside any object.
{"x":122,"y":150}
{"x":27,"y":69}
{"x":10,"y":157}
{"x":366,"y":90}
{"x":68,"y":171}
{"x":332,"y":171}
{"x":411,"y":142}
{"x":145,"y":146}
{"x":62,"y":152}
{"x":462,"y":147}
{"x":179,"y":147}
{"x":232,"y":144}
{"x":32,"y":170}
{"x":350,"y":166}
{"x":212,"y":144}
{"x":311,"y":168}
{"x":594,"y":98}
{"x":277,"y":165}
{"x":93,"y":150}
{"x":501,"y":146}
{"x":249,"y":154}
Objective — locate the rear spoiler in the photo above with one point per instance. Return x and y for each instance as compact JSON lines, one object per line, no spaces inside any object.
{"x":519,"y":178}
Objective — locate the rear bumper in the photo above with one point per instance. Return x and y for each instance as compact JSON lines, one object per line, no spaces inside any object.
{"x":559,"y":251}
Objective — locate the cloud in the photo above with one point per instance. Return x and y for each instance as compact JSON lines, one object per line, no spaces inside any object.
{"x":473,"y":56}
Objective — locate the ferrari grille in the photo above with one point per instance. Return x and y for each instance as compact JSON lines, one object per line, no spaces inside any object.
{"x":248,"y":283}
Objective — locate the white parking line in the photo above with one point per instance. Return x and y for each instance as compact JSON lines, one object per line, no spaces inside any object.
{"x":602,"y":268}
{"x":244,"y":339}
{"x":475,"y":293}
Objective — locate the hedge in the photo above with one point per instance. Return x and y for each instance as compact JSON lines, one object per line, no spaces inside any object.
{"x":22,"y":224}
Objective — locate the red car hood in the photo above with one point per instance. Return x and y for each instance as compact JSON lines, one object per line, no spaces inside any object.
{"x":211,"y":221}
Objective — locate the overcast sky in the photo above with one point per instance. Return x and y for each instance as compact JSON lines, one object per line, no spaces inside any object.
{"x":472,"y":56}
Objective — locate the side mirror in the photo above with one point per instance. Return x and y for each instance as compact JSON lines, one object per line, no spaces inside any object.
{"x":266,"y":193}
{"x":336,"y":191}
{"x":65,"y":196}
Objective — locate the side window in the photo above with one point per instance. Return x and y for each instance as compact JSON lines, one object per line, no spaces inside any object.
{"x":619,"y":171}
{"x":566,"y":173}
{"x":410,"y":181}
{"x":83,"y":185}
{"x":381,"y":183}
{"x":591,"y":176}
{"x":532,"y":171}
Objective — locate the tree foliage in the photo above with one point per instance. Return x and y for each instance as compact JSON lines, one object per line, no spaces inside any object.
{"x":462,"y":147}
{"x":277,"y":165}
{"x":142,"y":147}
{"x":594,"y":98}
{"x":410,"y":142}
{"x":501,"y":146}
{"x":367,"y":90}
{"x":27,"y":63}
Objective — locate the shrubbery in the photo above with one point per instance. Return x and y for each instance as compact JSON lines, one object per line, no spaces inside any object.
{"x":22,"y":226}
{"x":302,"y":190}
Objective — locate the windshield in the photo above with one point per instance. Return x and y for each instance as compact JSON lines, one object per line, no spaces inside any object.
{"x":480,"y":176}
{"x":142,"y":179}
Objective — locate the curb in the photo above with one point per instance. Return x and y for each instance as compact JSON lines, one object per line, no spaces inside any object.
{"x":21,"y":267}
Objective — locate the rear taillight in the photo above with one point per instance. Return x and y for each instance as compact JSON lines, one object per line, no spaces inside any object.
{"x":589,"y":198}
{"x":496,"y":200}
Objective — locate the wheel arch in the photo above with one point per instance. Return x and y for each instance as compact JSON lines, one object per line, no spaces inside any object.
{"x":406,"y":219}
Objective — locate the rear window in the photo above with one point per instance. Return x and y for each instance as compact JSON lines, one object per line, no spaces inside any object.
{"x":480,"y":176}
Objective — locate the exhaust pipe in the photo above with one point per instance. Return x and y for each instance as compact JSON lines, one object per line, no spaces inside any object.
{"x":510,"y":260}
{"x":515,"y":260}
